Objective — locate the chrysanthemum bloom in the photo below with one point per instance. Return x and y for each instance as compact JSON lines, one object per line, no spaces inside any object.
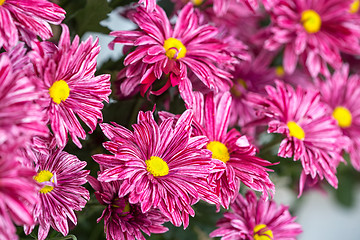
{"x":160,"y":166}
{"x":123,"y":220}
{"x":233,"y":155}
{"x":229,"y":23}
{"x":252,"y":219}
{"x":25,"y":20}
{"x":17,"y":196}
{"x":342,"y":93}
{"x":249,"y":76}
{"x":60,"y":176}
{"x":311,"y":134}
{"x":70,"y":90}
{"x":162,"y":50}
{"x":20,"y":117}
{"x":315,"y":31}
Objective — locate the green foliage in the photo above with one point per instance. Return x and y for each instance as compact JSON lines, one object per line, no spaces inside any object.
{"x":85,"y":15}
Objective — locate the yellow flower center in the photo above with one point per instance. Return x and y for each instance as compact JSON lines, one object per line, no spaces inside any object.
{"x":126,"y":209}
{"x":2,"y":2}
{"x":59,"y":91}
{"x":279,"y":71}
{"x":219,"y":151}
{"x":295,"y":130}
{"x":262,"y":232}
{"x":197,"y":2}
{"x":234,"y":90}
{"x":44,"y":176}
{"x":343,"y":116}
{"x":354,"y":7}
{"x":157,"y":167}
{"x":174,"y":48}
{"x":311,"y":21}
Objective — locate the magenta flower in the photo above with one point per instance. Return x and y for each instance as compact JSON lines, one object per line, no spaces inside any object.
{"x":164,"y":51}
{"x":252,"y":219}
{"x":20,"y":117}
{"x":342,"y":93}
{"x":232,"y":153}
{"x":122,"y":219}
{"x":17,"y":196}
{"x":25,"y":20}
{"x":249,"y":76}
{"x":160,"y":166}
{"x":70,"y":90}
{"x":311,"y":134}
{"x":315,"y":31}
{"x":60,"y":176}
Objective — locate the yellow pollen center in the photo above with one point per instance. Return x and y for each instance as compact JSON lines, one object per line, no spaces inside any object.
{"x":59,"y":91}
{"x":235,"y":91}
{"x":197,"y":2}
{"x":174,"y":49}
{"x":2,"y":2}
{"x":295,"y":130}
{"x":219,"y":151}
{"x":126,"y":209}
{"x":279,"y":71}
{"x":343,"y":116}
{"x":44,"y":176}
{"x":262,"y":232}
{"x":157,"y":167}
{"x":311,"y":21}
{"x":354,"y":7}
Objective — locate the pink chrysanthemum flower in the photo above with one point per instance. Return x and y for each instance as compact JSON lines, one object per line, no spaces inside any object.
{"x":27,"y":20}
{"x":252,"y":219}
{"x":342,"y":93}
{"x":17,"y":196}
{"x":311,"y":134}
{"x":250,"y":76}
{"x":123,"y":220}
{"x":232,"y":153}
{"x":160,"y":166}
{"x":60,"y":176}
{"x":169,"y":52}
{"x":20,"y":117}
{"x":315,"y":31}
{"x":70,"y":90}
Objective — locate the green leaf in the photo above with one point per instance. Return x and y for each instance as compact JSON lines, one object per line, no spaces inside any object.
{"x":88,"y":19}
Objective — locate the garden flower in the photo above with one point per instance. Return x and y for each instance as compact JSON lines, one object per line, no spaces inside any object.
{"x":70,"y":90}
{"x":160,"y":166}
{"x":25,"y":20}
{"x":122,"y":219}
{"x":20,"y":117}
{"x":231,"y":152}
{"x":162,"y":50}
{"x":311,"y":134}
{"x":315,"y":31}
{"x":60,"y":176}
{"x":249,"y":76}
{"x":17,"y":196}
{"x":252,"y":219}
{"x":342,"y":93}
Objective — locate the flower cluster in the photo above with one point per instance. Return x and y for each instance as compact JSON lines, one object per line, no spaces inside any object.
{"x":44,"y":87}
{"x":242,"y":70}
